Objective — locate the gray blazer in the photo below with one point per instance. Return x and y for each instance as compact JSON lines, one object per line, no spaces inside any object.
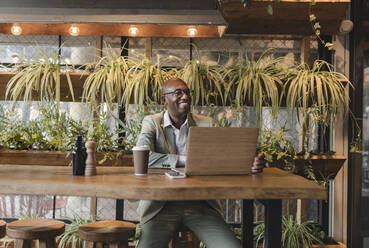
{"x":163,"y":154}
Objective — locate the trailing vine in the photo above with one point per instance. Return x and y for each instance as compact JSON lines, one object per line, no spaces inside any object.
{"x":315,"y":25}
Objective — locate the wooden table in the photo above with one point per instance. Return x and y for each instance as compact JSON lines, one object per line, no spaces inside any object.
{"x":119,"y":182}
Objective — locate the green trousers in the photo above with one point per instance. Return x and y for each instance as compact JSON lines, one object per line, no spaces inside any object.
{"x":208,"y":225}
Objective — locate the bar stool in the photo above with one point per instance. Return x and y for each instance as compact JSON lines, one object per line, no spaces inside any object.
{"x":2,"y":229}
{"x":24,"y":231}
{"x":114,"y":233}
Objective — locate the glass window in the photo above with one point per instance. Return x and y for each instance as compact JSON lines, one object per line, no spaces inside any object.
{"x":13,"y":48}
{"x":78,"y":50}
{"x":171,"y":51}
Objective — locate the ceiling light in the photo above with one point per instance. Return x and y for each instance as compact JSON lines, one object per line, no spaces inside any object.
{"x":192,"y":31}
{"x":133,"y":31}
{"x":74,"y":30}
{"x":16,"y":29}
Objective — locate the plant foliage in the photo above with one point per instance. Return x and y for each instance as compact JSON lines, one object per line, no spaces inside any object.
{"x":144,"y":81}
{"x":40,"y":74}
{"x":277,"y":148}
{"x":255,"y":81}
{"x":107,"y":81}
{"x":70,"y":236}
{"x":55,"y":130}
{"x":317,"y":87}
{"x":294,"y":234}
{"x":205,"y":81}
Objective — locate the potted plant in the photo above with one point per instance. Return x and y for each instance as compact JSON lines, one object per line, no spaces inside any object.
{"x":144,"y":80}
{"x":205,"y":81}
{"x":70,"y":238}
{"x":42,"y":75}
{"x":48,"y":139}
{"x":316,"y":94}
{"x":294,"y":234}
{"x":106,"y":80}
{"x":277,"y":149}
{"x":255,"y":82}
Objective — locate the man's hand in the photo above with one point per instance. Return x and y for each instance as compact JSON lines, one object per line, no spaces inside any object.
{"x":259,"y":164}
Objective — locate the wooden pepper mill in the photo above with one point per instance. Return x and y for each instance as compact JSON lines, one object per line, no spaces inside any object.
{"x":91,"y":158}
{"x":258,"y":165}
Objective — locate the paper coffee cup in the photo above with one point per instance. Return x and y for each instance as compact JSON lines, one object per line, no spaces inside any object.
{"x":141,"y":159}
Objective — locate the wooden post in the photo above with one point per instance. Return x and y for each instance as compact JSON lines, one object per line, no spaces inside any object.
{"x":99,"y":47}
{"x":148,"y":47}
{"x":93,"y":206}
{"x":301,"y":215}
{"x":341,"y":144}
{"x":99,"y":52}
{"x":305,"y":49}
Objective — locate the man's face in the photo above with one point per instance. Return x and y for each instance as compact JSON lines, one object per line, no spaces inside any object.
{"x":178,"y":100}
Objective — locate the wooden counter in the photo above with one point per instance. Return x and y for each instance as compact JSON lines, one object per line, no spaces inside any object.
{"x":119,"y":182}
{"x":113,"y":182}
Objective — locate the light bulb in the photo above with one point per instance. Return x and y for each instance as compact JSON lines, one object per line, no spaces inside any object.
{"x":74,"y":30}
{"x":16,"y":29}
{"x":133,"y":31}
{"x":192,"y":31}
{"x":67,"y":61}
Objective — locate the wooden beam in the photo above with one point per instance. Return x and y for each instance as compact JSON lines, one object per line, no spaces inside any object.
{"x":289,"y":17}
{"x":305,"y":1}
{"x":146,"y":30}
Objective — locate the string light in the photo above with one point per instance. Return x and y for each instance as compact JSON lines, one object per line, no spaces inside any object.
{"x":133,"y":31}
{"x":74,"y":30}
{"x":16,"y":29}
{"x":192,"y":31}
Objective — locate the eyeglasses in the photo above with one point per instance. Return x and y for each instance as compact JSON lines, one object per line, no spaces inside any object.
{"x":179,"y":93}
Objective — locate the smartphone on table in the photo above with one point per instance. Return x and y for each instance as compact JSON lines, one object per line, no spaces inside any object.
{"x":175,"y":174}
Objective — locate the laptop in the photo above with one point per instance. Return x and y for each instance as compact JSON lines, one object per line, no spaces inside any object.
{"x":220,"y":151}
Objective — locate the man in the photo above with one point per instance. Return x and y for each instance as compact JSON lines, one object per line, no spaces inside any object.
{"x":166,"y":134}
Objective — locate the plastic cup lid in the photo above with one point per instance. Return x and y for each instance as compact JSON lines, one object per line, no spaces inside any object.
{"x":141,"y":148}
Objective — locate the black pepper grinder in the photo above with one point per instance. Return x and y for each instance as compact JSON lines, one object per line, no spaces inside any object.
{"x":79,"y":157}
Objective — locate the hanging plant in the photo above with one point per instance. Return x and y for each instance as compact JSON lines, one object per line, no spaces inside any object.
{"x":317,"y":94}
{"x":205,"y":81}
{"x":255,"y":81}
{"x":39,"y":74}
{"x":107,"y":81}
{"x":144,"y":80}
{"x":315,"y":25}
{"x":318,"y":87}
